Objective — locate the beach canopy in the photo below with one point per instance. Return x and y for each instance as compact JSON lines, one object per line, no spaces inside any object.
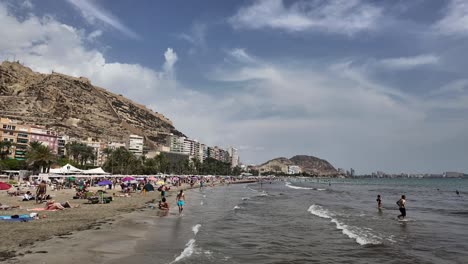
{"x":128,"y":178}
{"x":66,"y":169}
{"x":96,"y":171}
{"x":4,"y":186}
{"x":104,"y":182}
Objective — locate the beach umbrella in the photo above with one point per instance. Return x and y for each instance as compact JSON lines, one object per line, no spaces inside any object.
{"x":128,"y":179}
{"x":105,"y":182}
{"x":4,"y":186}
{"x":152,"y":178}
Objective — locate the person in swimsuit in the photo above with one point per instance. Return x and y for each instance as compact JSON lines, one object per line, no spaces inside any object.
{"x":180,"y":201}
{"x":379,"y":201}
{"x":402,"y":206}
{"x":41,"y":191}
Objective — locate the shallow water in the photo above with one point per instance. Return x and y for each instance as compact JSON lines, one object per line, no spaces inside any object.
{"x":305,"y":221}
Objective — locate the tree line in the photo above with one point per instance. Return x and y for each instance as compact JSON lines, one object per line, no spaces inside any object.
{"x":39,"y":159}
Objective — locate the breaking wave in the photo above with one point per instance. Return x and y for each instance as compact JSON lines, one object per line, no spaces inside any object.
{"x":288,"y":184}
{"x":362,"y":236}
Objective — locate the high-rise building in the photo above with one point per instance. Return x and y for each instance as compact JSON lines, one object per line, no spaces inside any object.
{"x":234,"y":157}
{"x":135,"y":145}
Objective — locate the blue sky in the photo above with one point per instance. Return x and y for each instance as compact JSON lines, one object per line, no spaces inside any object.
{"x":373,"y":85}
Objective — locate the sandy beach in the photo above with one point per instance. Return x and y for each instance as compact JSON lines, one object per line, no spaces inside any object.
{"x":22,"y":238}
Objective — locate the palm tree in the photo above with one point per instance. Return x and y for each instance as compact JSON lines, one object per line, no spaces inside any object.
{"x":40,"y":157}
{"x":5,"y":147}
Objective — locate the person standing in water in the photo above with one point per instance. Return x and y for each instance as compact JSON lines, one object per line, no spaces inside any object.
{"x":402,"y":206}
{"x":180,"y":201}
{"x":379,"y":202}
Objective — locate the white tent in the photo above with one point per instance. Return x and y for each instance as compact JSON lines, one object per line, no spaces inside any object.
{"x":66,"y":170}
{"x":96,"y":171}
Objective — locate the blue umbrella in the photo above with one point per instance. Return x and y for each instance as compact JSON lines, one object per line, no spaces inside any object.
{"x":104,"y":182}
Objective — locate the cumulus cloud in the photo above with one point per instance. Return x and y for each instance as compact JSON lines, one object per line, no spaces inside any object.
{"x":93,"y":13}
{"x":332,"y":110}
{"x":340,"y":17}
{"x":171,"y":59}
{"x":404,"y":63}
{"x":455,"y":20}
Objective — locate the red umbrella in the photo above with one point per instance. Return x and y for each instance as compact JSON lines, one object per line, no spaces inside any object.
{"x":4,"y":186}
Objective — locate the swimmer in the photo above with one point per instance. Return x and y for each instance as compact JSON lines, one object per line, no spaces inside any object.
{"x":402,"y":207}
{"x":379,"y":201}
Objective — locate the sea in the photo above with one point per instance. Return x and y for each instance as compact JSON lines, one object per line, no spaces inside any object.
{"x":303,"y":220}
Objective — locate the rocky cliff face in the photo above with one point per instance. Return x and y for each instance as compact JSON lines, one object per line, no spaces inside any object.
{"x":73,"y":106}
{"x":308,"y":164}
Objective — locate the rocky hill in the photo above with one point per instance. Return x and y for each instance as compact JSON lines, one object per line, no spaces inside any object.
{"x":74,"y":107}
{"x":308,"y":164}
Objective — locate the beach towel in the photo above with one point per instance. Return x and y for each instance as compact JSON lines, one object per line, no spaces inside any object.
{"x":15,"y":218}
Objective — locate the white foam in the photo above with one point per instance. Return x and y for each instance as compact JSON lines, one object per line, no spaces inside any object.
{"x":196,"y":228}
{"x":319,"y":211}
{"x":201,"y":203}
{"x":188,"y":251}
{"x":245,"y":198}
{"x":321,"y":189}
{"x":362,"y":237}
{"x":288,"y":184}
{"x":236,"y":207}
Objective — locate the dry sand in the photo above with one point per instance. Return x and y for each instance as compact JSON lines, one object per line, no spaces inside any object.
{"x":19,"y":238}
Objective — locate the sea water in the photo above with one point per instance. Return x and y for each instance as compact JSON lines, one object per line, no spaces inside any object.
{"x":302,"y":220}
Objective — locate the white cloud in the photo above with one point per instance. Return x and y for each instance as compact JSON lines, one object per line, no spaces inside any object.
{"x":341,"y":17}
{"x":455,"y":21}
{"x":94,"y":35}
{"x":404,"y":63}
{"x":171,"y":59}
{"x":27,"y":4}
{"x":196,"y":36}
{"x":92,"y":13}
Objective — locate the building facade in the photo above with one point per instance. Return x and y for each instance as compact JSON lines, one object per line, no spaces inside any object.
{"x":135,"y":145}
{"x":20,"y":136}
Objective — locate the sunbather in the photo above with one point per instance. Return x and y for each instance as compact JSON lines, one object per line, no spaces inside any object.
{"x":7,"y":207}
{"x":52,"y":205}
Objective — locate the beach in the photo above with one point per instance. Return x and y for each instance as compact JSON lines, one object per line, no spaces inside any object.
{"x":59,"y":224}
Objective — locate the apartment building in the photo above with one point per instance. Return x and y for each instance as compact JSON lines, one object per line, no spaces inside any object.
{"x":135,"y":145}
{"x":21,"y":136}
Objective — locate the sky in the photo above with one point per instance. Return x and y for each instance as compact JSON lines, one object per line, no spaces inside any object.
{"x":372,"y":85}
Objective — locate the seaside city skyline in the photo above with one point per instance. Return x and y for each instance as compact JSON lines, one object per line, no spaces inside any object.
{"x":364,"y":85}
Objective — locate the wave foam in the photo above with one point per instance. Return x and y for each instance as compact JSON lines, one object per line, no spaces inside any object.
{"x":188,"y":251}
{"x":196,"y":228}
{"x":236,"y":207}
{"x":245,"y":198}
{"x":362,"y":237}
{"x":288,"y":184}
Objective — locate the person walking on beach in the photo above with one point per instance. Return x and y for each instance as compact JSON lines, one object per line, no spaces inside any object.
{"x":457,"y":192}
{"x":402,"y":206}
{"x":379,"y":202}
{"x":41,"y":191}
{"x":180,"y":201}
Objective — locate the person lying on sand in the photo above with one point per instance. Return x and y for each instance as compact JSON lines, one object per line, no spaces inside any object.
{"x":7,"y":207}
{"x":52,"y":205}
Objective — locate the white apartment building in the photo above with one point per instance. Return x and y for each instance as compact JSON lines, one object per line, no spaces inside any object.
{"x":233,"y":156}
{"x":135,"y":145}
